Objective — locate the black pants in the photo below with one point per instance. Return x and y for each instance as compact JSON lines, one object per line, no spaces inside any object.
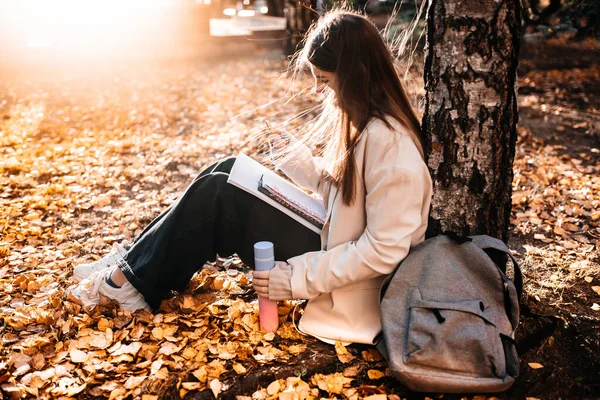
{"x":210,"y":217}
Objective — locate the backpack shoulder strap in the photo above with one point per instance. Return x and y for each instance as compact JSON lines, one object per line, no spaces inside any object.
{"x":488,"y":242}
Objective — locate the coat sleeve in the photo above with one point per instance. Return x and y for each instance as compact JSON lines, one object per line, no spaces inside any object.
{"x":301,"y":167}
{"x":393,"y":206}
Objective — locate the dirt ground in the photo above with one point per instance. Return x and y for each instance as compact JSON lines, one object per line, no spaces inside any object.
{"x":559,"y":91}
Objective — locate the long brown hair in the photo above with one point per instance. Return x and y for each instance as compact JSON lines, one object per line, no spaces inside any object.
{"x":367,"y":86}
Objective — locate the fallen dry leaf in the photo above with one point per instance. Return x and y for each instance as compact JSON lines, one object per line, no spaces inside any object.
{"x":375,"y":374}
{"x":376,"y":397}
{"x":342,"y":353}
{"x":273,"y":388}
{"x":371,"y":355}
{"x":332,"y":383}
{"x":352,"y":371}
{"x":78,"y":356}
{"x":215,"y":386}
{"x":239,"y":368}
{"x":535,"y":365}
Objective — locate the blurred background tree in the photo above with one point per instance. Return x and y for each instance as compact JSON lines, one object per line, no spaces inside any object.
{"x":549,"y":17}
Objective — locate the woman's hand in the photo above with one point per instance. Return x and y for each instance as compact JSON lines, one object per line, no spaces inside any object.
{"x":278,"y":140}
{"x":260,"y":281}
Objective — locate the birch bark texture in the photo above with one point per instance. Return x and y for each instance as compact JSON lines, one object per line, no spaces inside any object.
{"x":470,"y":117}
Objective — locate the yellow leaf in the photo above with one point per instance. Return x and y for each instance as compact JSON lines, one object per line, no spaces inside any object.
{"x":201,"y":374}
{"x":296,"y":349}
{"x":131,"y":348}
{"x":38,"y":361}
{"x":169,"y":330}
{"x":288,"y":396}
{"x":101,"y":200}
{"x":157,"y":333}
{"x":273,"y":388}
{"x":570,"y":227}
{"x":149,"y":397}
{"x":133,"y":382}
{"x":100,"y":341}
{"x":596,"y":289}
{"x":168,"y":348}
{"x":376,"y":397}
{"x":371,"y":355}
{"x":215,"y":386}
{"x":191,"y":385}
{"x":536,"y":365}
{"x":343,"y":355}
{"x":189,"y":353}
{"x":375,"y":374}
{"x":351,"y":371}
{"x":332,"y":383}
{"x":103,"y":324}
{"x":78,"y":356}
{"x":155,"y":366}
{"x":162,"y":373}
{"x":188,"y":303}
{"x":559,"y":231}
{"x":239,"y":368}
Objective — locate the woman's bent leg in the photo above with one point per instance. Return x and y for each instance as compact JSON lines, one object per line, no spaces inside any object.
{"x":223,"y":165}
{"x":83,"y":271}
{"x":211,"y":217}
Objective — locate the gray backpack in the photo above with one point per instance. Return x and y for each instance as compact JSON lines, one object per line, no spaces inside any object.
{"x":449,"y":315}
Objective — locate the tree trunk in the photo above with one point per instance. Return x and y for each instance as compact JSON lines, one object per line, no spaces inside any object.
{"x":471,"y":113}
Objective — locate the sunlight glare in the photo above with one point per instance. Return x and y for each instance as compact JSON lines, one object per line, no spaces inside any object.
{"x":246,"y":13}
{"x":92,"y":27}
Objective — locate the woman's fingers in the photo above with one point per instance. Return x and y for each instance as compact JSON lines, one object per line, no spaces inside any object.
{"x":260,"y":282}
{"x":278,"y":141}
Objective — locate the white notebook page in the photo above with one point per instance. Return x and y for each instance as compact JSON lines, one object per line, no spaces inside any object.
{"x":246,"y":174}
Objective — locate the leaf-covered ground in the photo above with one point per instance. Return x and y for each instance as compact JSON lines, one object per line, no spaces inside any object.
{"x":89,"y":156}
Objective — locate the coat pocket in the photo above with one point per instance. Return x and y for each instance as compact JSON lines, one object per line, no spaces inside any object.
{"x":450,"y":335}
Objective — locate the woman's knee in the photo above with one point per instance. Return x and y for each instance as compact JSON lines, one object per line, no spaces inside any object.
{"x":213,"y":185}
{"x":225,"y":165}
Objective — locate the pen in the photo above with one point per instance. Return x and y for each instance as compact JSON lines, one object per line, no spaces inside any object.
{"x":269,"y":127}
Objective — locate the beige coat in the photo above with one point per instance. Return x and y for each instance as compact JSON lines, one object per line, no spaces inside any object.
{"x":361,"y":243}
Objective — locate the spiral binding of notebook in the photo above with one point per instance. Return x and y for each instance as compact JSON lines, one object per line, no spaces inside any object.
{"x":274,"y":193}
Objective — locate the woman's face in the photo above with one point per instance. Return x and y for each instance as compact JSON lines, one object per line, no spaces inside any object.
{"x":323,"y":79}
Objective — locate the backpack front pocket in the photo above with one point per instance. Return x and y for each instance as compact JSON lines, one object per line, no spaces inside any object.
{"x":452,"y":336}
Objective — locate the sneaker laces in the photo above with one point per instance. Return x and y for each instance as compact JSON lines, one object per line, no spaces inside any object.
{"x":117,"y":254}
{"x":92,"y":288}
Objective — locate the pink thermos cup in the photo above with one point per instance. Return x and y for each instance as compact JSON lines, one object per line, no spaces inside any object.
{"x":264,"y":260}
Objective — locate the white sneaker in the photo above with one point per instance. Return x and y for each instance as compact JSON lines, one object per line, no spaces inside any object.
{"x":87,"y":292}
{"x":112,"y":259}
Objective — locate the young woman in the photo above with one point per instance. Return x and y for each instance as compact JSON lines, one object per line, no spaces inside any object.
{"x":371,"y":175}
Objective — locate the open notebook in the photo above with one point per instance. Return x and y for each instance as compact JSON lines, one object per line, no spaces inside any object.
{"x":265,"y":184}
